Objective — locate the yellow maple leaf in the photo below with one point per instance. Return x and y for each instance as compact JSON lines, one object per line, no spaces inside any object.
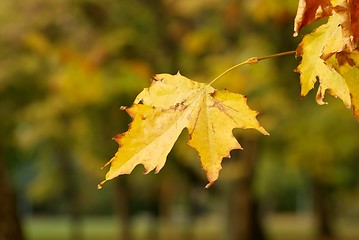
{"x":315,"y":49}
{"x":162,"y":111}
{"x":347,"y":64}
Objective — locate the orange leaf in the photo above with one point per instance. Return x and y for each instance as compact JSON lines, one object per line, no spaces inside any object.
{"x":354,"y":14}
{"x":310,"y":11}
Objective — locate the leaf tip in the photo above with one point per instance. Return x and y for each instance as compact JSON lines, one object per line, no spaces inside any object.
{"x":320,"y":96}
{"x":157,"y":170}
{"x":147,"y":170}
{"x":209,"y":184}
{"x":117,"y":137}
{"x":100,"y":185}
{"x":265,"y":132}
{"x":108,"y":163}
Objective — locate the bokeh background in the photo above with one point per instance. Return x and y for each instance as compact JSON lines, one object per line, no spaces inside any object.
{"x":66,"y":66}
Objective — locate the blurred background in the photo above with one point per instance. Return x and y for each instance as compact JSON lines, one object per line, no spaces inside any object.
{"x":66,"y":66}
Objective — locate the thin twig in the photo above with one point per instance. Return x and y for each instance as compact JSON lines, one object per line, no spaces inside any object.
{"x":252,"y":60}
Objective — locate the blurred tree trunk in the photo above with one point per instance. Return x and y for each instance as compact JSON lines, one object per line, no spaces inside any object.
{"x":10,"y":227}
{"x":322,"y":210}
{"x":165,"y":201}
{"x":244,"y":217}
{"x":122,"y":196}
{"x":71,"y":193}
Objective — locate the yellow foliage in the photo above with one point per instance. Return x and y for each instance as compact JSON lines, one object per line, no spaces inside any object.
{"x":347,"y":65}
{"x":318,"y":48}
{"x":169,"y":105}
{"x":313,"y":67}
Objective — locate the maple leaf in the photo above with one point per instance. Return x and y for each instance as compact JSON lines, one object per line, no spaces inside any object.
{"x":349,"y":12}
{"x":329,"y":54}
{"x":354,"y":15}
{"x":347,"y":64}
{"x":162,"y":111}
{"x":309,"y":11}
{"x":346,"y":11}
{"x":315,"y":49}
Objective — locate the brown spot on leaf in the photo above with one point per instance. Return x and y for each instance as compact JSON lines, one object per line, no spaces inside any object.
{"x":118,"y":137}
{"x":344,"y":58}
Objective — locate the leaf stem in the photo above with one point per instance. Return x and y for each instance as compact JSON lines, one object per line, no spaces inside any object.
{"x":277,"y":55}
{"x":252,"y":60}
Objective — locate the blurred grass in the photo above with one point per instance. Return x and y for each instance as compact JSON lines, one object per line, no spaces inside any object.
{"x":58,"y":228}
{"x":303,"y":226}
{"x":278,"y":227}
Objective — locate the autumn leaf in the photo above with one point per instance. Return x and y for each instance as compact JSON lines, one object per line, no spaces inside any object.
{"x":323,"y":41}
{"x":354,"y":18}
{"x":309,"y":11}
{"x":346,"y":13}
{"x":347,"y":64}
{"x":319,"y":50}
{"x":349,"y":13}
{"x":162,"y":111}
